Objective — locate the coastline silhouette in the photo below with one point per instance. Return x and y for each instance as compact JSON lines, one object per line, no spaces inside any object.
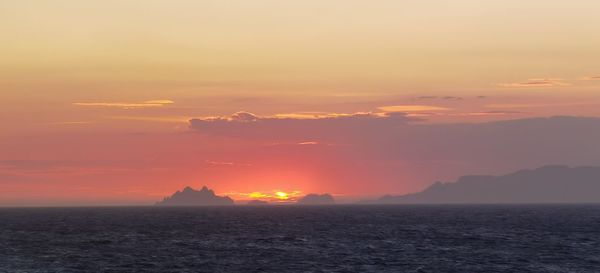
{"x":548,"y":184}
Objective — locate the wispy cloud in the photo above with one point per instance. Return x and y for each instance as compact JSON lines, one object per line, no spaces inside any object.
{"x":439,"y":97}
{"x":127,"y":105}
{"x":591,"y":78}
{"x":412,"y":108}
{"x":244,"y":117}
{"x":56,"y":168}
{"x":167,"y":119}
{"x":309,"y":143}
{"x":466,"y":114}
{"x":514,"y":105}
{"x":223,"y":163}
{"x":492,"y":113}
{"x":302,"y":130}
{"x":70,"y":123}
{"x":301,"y":143}
{"x":323,"y":115}
{"x":546,"y":82}
{"x":535,"y":105}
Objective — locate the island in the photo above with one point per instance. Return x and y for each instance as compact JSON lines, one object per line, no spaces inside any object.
{"x":191,"y":197}
{"x":316,"y":199}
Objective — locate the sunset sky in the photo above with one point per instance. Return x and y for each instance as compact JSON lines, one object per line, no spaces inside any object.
{"x":124,"y":102}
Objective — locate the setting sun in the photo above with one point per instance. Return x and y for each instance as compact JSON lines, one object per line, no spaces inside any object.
{"x":277,"y":196}
{"x":281,"y":195}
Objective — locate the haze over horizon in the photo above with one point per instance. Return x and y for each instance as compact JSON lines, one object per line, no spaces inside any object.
{"x":123,"y":102}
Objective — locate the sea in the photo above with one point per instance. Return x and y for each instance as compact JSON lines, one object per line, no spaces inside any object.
{"x":340,"y":238}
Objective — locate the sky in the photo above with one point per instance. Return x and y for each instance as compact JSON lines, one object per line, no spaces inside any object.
{"x":125,"y":102}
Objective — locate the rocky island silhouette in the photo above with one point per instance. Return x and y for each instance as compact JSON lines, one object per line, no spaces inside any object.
{"x":316,"y":199}
{"x":191,"y":197}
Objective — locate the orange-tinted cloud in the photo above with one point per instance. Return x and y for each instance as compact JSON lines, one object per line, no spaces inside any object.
{"x":58,"y":168}
{"x":296,"y":130}
{"x":309,"y":143}
{"x":466,"y":114}
{"x":223,"y":163}
{"x":127,"y":105}
{"x":439,"y":97}
{"x":166,"y":119}
{"x":71,"y":123}
{"x":536,"y":105}
{"x":546,"y":82}
{"x":592,"y":78}
{"x":374,"y":140}
{"x":412,"y":108}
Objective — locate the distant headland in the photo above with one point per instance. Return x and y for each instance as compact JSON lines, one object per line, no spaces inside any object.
{"x":548,"y":184}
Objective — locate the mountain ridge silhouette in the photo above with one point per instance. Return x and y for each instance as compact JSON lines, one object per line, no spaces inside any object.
{"x":547,"y":184}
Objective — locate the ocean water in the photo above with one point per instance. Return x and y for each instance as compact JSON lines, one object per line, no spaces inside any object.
{"x":460,"y":239}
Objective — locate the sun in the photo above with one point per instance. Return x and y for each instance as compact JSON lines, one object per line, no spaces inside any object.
{"x":273,"y":195}
{"x":281,"y":195}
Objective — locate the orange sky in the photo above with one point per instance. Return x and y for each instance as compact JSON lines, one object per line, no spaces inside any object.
{"x":97,"y":96}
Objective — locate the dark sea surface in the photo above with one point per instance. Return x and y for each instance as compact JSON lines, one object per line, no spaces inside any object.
{"x":548,"y":238}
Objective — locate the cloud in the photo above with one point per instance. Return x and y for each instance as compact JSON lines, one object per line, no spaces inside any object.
{"x":166,"y":119}
{"x":323,"y":115}
{"x":515,"y":105}
{"x":438,"y":97}
{"x":296,"y":130}
{"x":492,"y":113}
{"x":244,"y":117}
{"x":127,"y":105}
{"x":452,"y":98}
{"x":71,"y":123}
{"x":427,"y":97}
{"x":591,"y":78}
{"x":159,"y":102}
{"x":399,"y":137}
{"x":536,"y":105}
{"x":309,"y":143}
{"x":290,"y":145}
{"x":247,"y":117}
{"x":547,"y":82}
{"x":465,"y":114}
{"x":60,"y":168}
{"x":412,"y":108}
{"x":372,"y":153}
{"x":223,"y":163}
